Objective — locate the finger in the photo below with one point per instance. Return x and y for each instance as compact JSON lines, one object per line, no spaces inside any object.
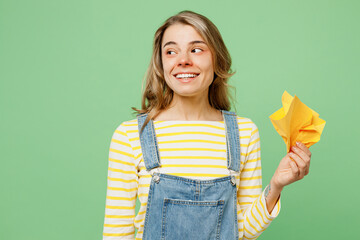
{"x":307,"y":170}
{"x":301,"y":154}
{"x":304,"y":157}
{"x":304,"y":148}
{"x":300,"y":164}
{"x":294,"y":168}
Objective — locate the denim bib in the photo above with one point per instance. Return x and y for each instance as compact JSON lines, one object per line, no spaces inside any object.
{"x":182,"y":208}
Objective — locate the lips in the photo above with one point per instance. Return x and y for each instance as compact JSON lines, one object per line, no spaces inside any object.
{"x":186,"y":80}
{"x":193,"y":73}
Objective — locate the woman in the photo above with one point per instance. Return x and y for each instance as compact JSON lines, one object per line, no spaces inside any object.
{"x":194,"y":165}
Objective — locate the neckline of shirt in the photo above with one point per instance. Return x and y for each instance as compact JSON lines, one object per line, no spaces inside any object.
{"x":187,"y":121}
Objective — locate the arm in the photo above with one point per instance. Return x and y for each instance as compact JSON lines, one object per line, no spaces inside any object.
{"x":254,"y":216}
{"x":121,"y":189}
{"x":272,"y":194}
{"x":293,"y":167}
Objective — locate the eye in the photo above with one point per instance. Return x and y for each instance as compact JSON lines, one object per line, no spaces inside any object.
{"x":197,"y":49}
{"x":169,"y":51}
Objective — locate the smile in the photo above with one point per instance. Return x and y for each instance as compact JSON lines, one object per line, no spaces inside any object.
{"x":186,"y":77}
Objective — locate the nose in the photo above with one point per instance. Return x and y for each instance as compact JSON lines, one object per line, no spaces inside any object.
{"x":184,"y":59}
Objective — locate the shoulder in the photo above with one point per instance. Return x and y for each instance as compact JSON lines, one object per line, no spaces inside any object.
{"x":245,"y":122}
{"x":126,"y":126}
{"x":247,"y":127}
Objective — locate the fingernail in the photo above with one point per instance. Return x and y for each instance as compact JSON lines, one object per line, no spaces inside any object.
{"x":298,"y":143}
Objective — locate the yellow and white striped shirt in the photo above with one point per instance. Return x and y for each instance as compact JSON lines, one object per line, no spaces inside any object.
{"x":192,"y":149}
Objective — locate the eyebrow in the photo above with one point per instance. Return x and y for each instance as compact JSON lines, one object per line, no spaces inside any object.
{"x":190,"y":43}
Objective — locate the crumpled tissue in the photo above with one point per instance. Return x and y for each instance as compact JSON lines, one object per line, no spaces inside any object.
{"x":297,"y":122}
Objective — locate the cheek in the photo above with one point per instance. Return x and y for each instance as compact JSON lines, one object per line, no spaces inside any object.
{"x":210,"y":66}
{"x":209,"y":70}
{"x":167,"y":66}
{"x":206,"y":64}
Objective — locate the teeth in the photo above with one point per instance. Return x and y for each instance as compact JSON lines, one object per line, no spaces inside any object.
{"x":185,"y":75}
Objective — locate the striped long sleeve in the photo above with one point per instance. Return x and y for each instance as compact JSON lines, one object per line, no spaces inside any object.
{"x":122,"y":185}
{"x":191,"y":149}
{"x":253,"y":216}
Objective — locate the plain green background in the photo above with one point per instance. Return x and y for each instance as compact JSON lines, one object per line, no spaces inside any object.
{"x":71,"y":70}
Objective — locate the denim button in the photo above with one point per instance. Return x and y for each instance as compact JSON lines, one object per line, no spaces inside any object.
{"x":156,"y":178}
{"x":233,"y":180}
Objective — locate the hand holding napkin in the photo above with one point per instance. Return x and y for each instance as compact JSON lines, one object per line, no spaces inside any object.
{"x":297,"y":122}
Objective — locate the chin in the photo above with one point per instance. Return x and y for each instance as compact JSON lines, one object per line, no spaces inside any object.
{"x":186,"y":93}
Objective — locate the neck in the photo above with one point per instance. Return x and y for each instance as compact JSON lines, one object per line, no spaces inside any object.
{"x":194,"y":108}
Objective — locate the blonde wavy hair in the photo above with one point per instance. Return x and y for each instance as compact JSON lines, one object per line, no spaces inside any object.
{"x":157,"y":95}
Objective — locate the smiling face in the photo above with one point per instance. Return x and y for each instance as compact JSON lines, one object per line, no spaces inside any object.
{"x":183,"y":50}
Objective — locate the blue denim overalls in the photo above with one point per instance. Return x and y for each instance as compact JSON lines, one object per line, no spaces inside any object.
{"x":180,"y":208}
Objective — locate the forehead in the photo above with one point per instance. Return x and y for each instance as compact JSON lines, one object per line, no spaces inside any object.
{"x":181,"y":34}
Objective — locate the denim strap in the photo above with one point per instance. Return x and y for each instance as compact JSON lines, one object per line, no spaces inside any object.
{"x":232,"y":140}
{"x":149,"y":146}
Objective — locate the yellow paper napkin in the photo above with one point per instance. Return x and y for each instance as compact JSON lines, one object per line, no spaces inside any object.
{"x":297,"y":122}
